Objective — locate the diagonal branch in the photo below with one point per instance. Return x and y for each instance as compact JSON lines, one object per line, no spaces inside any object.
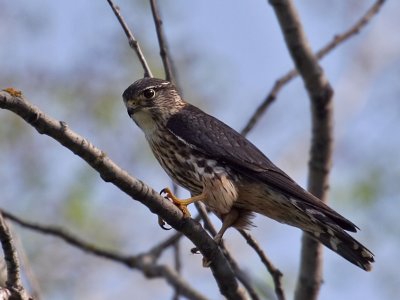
{"x":14,"y":283}
{"x":275,"y":273}
{"x":162,"y":42}
{"x":133,"y":43}
{"x":13,"y":100}
{"x":336,"y":41}
{"x":144,"y":262}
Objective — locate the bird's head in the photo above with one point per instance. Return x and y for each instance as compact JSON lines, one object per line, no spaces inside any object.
{"x":151,"y":102}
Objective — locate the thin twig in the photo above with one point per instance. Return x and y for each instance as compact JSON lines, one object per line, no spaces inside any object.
{"x":243,"y":278}
{"x":133,"y":43}
{"x":353,"y":30}
{"x":283,"y":80}
{"x":169,"y":242}
{"x":13,"y":283}
{"x":162,"y":42}
{"x":145,"y":262}
{"x":275,"y":273}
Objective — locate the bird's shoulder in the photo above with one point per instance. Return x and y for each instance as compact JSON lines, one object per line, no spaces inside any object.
{"x":214,"y":138}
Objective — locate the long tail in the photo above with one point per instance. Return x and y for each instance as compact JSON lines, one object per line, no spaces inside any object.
{"x":336,"y":239}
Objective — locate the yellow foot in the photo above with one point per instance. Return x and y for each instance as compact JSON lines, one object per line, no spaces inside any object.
{"x":181,"y":204}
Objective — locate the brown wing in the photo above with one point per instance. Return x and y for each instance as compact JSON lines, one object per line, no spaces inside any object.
{"x":218,"y":141}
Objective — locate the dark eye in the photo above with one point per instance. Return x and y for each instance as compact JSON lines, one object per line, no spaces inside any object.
{"x":149,"y":94}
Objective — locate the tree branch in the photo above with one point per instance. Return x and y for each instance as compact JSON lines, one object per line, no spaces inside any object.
{"x":275,"y":273}
{"x":31,"y":281}
{"x":243,"y":278}
{"x":321,"y":94}
{"x":336,"y":41}
{"x":144,"y":262}
{"x":162,"y":42}
{"x":133,"y":43}
{"x":110,"y":172}
{"x":13,"y":283}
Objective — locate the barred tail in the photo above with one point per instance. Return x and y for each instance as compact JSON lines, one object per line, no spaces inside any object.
{"x":343,"y":244}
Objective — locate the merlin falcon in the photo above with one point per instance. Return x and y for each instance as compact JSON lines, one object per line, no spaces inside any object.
{"x":230,"y":175}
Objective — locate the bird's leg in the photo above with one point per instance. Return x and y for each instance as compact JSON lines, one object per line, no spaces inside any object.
{"x":227,"y":221}
{"x":182,"y":203}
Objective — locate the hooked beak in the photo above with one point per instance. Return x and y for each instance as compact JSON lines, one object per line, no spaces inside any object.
{"x":131,"y":111}
{"x":132,"y":108}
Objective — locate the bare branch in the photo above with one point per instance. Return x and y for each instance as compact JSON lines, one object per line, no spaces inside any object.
{"x":353,"y":30}
{"x":162,"y":41}
{"x":110,"y":172}
{"x":133,"y":43}
{"x":337,"y":40}
{"x":243,"y":278}
{"x":169,"y":242}
{"x":14,"y":283}
{"x":275,"y":273}
{"x":271,"y":97}
{"x":144,"y":262}
{"x":321,"y":94}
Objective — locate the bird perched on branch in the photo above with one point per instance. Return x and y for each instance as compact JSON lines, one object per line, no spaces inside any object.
{"x":226,"y":172}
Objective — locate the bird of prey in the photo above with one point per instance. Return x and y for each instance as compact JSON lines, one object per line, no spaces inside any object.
{"x":230,"y":175}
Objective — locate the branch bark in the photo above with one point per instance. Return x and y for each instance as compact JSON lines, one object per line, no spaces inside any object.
{"x":146,"y":262}
{"x":14,"y":283}
{"x":133,"y":43}
{"x":13,"y":100}
{"x":162,"y":42}
{"x":242,"y":277}
{"x":276,"y":274}
{"x":321,"y":94}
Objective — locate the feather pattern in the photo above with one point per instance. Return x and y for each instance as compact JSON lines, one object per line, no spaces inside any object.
{"x":233,"y":177}
{"x":221,"y":142}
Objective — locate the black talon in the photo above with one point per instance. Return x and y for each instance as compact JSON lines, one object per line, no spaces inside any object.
{"x":195,"y":250}
{"x":162,"y":223}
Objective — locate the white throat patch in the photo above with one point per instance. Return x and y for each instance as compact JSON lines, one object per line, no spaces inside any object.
{"x":145,"y":121}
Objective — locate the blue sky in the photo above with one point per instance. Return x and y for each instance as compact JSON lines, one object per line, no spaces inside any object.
{"x":72,"y":60}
